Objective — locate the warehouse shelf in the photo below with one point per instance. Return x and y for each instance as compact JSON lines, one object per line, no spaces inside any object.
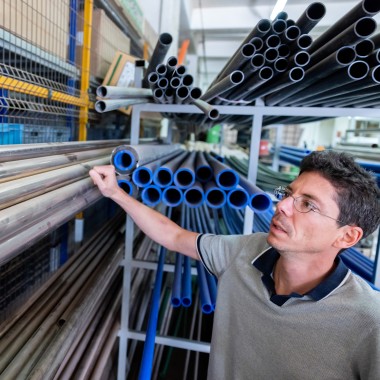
{"x":257,"y":112}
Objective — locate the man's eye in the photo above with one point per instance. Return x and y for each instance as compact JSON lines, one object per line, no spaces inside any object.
{"x":308,"y":205}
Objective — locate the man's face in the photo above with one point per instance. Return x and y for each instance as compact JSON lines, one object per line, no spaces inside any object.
{"x":293,"y":231}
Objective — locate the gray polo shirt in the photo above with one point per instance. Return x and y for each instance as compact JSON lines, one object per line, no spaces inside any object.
{"x":333,"y":332}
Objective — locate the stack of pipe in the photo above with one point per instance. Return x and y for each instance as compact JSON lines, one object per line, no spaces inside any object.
{"x":69,"y":327}
{"x":283,"y":65}
{"x":194,"y":178}
{"x":39,"y":193}
{"x":164,"y":82}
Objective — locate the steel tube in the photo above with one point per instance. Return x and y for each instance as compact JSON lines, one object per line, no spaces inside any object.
{"x":115,"y":92}
{"x":209,"y":110}
{"x":20,"y":190}
{"x":114,"y":104}
{"x":230,"y":81}
{"x":363,"y":9}
{"x":152,"y":80}
{"x":163,"y":44}
{"x":22,"y":168}
{"x":360,"y":30}
{"x":364,"y":48}
{"x":171,"y":64}
{"x":310,"y":17}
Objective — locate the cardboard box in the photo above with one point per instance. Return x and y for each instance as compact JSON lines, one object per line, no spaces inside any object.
{"x":121,"y":73}
{"x":106,"y":40}
{"x":43,"y":23}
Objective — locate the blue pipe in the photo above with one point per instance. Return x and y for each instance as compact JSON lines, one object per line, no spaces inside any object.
{"x":206,"y":303}
{"x":225,"y":177}
{"x":184,"y":176}
{"x":147,"y":357}
{"x":203,"y":170}
{"x":124,"y":161}
{"x":290,"y":158}
{"x":293,"y":152}
{"x":194,"y":196}
{"x":237,"y":198}
{"x":186,"y":298}
{"x":295,"y":149}
{"x":369,"y":165}
{"x":163,"y":175}
{"x":151,"y":195}
{"x":259,"y":201}
{"x":172,"y":196}
{"x":127,"y":186}
{"x":142,"y":176}
{"x":177,"y":286}
{"x":214,"y":196}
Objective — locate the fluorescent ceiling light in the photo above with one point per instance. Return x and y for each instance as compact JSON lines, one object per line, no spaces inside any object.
{"x":280,"y":5}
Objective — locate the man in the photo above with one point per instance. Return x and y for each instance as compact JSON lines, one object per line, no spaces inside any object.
{"x":287,"y":307}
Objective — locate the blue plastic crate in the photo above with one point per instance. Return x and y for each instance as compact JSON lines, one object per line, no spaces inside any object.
{"x":11,"y":133}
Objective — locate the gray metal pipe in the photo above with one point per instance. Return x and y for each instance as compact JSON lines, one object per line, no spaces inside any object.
{"x":163,"y":44}
{"x":364,"y":48}
{"x":209,"y":110}
{"x":342,"y":57}
{"x":20,"y":190}
{"x":114,"y":104}
{"x":115,"y":92}
{"x":360,"y":30}
{"x":232,"y":80}
{"x":354,"y":72}
{"x":310,"y":17}
{"x":22,"y":168}
{"x":363,"y":9}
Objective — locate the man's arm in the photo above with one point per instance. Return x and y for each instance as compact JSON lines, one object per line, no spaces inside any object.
{"x":158,"y":227}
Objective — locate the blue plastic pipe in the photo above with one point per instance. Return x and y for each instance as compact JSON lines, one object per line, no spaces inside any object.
{"x":186,"y":298}
{"x":203,"y":170}
{"x":206,"y":303}
{"x":238,"y":198}
{"x":184,"y":176}
{"x":225,"y":177}
{"x":177,"y":281}
{"x":128,"y":186}
{"x":123,"y":160}
{"x":214,"y":196}
{"x":259,"y":201}
{"x":163,"y":175}
{"x":172,"y":196}
{"x":151,"y":195}
{"x":194,"y":196}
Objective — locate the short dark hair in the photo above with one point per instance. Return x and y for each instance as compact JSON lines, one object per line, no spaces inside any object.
{"x":358,"y":193}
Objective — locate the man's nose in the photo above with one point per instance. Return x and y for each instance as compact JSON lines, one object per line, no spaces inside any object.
{"x":285,"y":206}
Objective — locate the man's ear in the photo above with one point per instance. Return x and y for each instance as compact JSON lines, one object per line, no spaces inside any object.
{"x":348,"y":237}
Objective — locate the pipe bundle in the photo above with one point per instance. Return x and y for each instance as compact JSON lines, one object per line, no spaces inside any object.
{"x":282,"y":65}
{"x":193,"y":178}
{"x":69,"y":327}
{"x":40,"y":194}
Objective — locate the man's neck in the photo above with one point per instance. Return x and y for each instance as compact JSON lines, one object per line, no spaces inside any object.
{"x":300,"y":276}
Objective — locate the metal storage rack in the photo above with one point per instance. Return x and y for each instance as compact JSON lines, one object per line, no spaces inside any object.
{"x":257,"y":112}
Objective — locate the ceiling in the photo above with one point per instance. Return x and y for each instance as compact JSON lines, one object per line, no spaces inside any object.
{"x":217,"y":27}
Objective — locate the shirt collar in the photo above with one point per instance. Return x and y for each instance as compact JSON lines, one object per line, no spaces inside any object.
{"x":265,"y":264}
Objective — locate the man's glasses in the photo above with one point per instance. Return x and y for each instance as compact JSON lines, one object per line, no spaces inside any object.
{"x":301,"y":204}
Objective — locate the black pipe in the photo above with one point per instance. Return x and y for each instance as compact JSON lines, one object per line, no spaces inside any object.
{"x":158,"y":55}
{"x":283,"y":50}
{"x":310,"y":17}
{"x":256,"y":63}
{"x":171,"y":64}
{"x":363,"y":9}
{"x":281,"y":16}
{"x":280,"y":65}
{"x":161,"y":69}
{"x":257,"y":42}
{"x":301,"y":59}
{"x":358,"y":31}
{"x":262,"y":76}
{"x":376,"y":40}
{"x":181,"y":94}
{"x":364,"y":48}
{"x":239,"y":59}
{"x":286,"y":79}
{"x":232,"y":80}
{"x":354,"y":72}
{"x":279,"y":26}
{"x":271,"y":55}
{"x":291,"y":34}
{"x":152,"y":80}
{"x":329,"y":65}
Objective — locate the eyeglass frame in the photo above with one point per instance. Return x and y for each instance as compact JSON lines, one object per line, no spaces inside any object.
{"x":284,"y":190}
